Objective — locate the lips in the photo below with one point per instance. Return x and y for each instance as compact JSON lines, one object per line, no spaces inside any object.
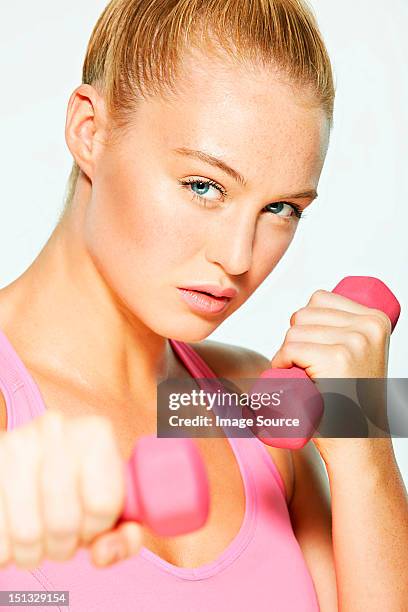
{"x":211,"y":295}
{"x":202,"y":302}
{"x":213,"y":290}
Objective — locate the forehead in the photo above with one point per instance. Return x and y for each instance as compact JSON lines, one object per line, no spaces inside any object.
{"x":249,"y":115}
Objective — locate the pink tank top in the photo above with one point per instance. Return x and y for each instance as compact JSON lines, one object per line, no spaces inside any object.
{"x":262,"y":568}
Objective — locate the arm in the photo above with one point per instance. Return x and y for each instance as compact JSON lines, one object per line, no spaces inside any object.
{"x":310,"y":512}
{"x":335,"y":337}
{"x":363,"y":545}
{"x":361,"y":541}
{"x":370,"y":527}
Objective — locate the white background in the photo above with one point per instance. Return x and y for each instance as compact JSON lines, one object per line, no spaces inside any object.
{"x":358,"y":225}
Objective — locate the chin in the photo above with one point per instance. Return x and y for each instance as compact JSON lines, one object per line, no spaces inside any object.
{"x":191,"y":328}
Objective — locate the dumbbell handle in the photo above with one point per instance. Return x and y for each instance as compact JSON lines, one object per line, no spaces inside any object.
{"x":166,"y":486}
{"x":366,"y":290}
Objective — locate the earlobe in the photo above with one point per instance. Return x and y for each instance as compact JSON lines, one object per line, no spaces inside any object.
{"x":82,"y":125}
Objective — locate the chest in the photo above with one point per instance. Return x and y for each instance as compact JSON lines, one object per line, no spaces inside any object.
{"x":226,"y":490}
{"x":226,"y":515}
{"x":226,"y":487}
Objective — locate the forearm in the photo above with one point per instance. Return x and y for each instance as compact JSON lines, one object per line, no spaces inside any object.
{"x":369,"y":527}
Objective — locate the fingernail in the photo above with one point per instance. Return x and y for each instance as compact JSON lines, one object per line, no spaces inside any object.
{"x":112,"y":552}
{"x":134,"y":539}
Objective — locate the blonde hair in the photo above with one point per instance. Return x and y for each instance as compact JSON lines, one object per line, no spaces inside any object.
{"x":136,"y":47}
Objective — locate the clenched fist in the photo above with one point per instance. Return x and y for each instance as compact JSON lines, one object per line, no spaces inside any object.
{"x":62,"y":487}
{"x":335,"y":337}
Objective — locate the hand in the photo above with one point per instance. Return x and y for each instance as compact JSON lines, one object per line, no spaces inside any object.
{"x":62,"y":487}
{"x":335,"y":337}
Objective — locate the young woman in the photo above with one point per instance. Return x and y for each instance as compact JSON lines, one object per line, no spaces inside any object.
{"x":198,"y":136}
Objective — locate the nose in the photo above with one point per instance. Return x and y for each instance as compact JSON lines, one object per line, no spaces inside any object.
{"x":230,"y":244}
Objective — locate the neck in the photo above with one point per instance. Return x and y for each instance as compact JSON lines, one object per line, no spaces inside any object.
{"x":66,"y":321}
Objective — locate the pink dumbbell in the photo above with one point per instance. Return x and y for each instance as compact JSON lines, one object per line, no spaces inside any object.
{"x":166,"y":486}
{"x":306,"y":399}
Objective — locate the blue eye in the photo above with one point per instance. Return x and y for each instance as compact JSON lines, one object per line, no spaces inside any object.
{"x":201,"y":187}
{"x":292,"y":209}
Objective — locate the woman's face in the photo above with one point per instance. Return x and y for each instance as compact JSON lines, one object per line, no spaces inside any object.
{"x":162,"y":218}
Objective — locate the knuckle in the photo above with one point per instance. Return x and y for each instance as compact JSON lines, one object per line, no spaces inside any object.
{"x":302,"y":311}
{"x":92,"y":526}
{"x":299,"y":315}
{"x":317,"y":296}
{"x":101,"y":489}
{"x":101,"y":506}
{"x":378,"y":324}
{"x":101,"y":492}
{"x":342,"y":353}
{"x":357,"y":340}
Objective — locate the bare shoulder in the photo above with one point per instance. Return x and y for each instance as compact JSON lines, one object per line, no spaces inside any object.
{"x":3,"y":413}
{"x":232,"y":361}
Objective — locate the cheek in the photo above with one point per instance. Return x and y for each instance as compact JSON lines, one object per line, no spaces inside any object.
{"x":135,"y":224}
{"x":272,"y":241}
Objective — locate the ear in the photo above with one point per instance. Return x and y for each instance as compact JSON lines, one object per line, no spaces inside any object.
{"x":85,"y":128}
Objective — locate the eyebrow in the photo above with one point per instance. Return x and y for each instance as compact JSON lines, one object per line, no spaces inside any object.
{"x":237,"y":176}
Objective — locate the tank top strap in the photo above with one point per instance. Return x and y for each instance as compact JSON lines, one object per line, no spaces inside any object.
{"x":22,"y":396}
{"x":249,"y":450}
{"x":24,"y":401}
{"x":192,"y":360}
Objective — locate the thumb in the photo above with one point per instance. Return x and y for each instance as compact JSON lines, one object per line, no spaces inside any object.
{"x":281,"y":359}
{"x":118,"y":544}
